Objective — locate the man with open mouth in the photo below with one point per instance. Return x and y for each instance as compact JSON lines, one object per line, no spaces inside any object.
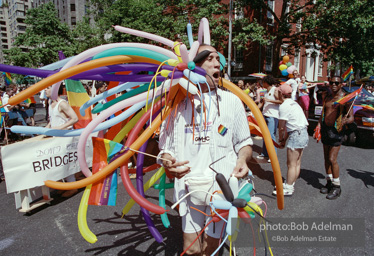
{"x":204,"y":129}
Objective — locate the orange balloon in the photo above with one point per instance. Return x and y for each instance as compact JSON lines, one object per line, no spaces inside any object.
{"x":266,"y":135}
{"x":286,"y":58}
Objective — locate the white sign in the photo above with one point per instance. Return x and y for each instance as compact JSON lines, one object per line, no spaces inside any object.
{"x":27,"y":164}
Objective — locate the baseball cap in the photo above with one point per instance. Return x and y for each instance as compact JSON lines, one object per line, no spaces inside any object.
{"x":285,"y":89}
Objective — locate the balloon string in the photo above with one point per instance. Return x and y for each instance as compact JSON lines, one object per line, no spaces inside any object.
{"x":150,"y":84}
{"x":141,"y":152}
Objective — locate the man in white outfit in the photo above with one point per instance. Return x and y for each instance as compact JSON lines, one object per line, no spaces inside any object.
{"x":199,"y":140}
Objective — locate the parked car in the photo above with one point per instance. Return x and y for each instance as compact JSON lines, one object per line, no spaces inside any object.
{"x":363,"y":117}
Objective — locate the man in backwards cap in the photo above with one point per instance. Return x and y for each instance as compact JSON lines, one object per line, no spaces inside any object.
{"x":204,"y":130}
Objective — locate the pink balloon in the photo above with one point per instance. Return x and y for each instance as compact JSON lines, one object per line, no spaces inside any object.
{"x":204,"y":31}
{"x":143,"y":34}
{"x":193,"y":50}
{"x":291,"y":69}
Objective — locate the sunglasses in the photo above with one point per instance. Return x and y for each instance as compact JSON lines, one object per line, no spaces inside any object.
{"x":336,"y":83}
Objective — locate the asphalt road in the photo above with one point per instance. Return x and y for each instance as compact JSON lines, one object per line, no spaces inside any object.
{"x":53,"y":230}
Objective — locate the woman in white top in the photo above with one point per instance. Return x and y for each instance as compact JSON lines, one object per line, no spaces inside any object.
{"x":292,"y":126}
{"x":62,"y":117}
{"x":270,"y":110}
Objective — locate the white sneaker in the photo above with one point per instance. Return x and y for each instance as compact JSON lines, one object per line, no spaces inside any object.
{"x":287,"y":190}
{"x":269,"y":161}
{"x":260,"y":156}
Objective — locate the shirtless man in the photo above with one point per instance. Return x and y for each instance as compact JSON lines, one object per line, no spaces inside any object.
{"x":331,"y":125}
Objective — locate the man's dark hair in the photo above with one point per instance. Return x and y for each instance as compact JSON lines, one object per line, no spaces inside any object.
{"x":99,"y":84}
{"x":269,"y":79}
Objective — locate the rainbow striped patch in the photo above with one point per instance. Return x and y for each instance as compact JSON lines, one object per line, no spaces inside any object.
{"x":222,"y":130}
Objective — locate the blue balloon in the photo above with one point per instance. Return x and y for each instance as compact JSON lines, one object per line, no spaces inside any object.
{"x":284,"y":72}
{"x":189,"y":34}
{"x":222,"y":205}
{"x":71,"y":133}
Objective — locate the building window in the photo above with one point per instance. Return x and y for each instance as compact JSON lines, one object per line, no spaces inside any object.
{"x":73,"y":21}
{"x":320,"y":65}
{"x":239,"y":13}
{"x":269,"y":58}
{"x":284,"y":49}
{"x":72,"y":7}
{"x":297,"y":59}
{"x":269,"y":14}
{"x":239,"y":60}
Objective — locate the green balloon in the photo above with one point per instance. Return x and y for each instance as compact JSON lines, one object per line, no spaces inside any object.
{"x":131,"y":51}
{"x":288,"y":64}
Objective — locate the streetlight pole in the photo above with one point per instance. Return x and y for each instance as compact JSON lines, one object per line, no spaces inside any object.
{"x":230,"y":40}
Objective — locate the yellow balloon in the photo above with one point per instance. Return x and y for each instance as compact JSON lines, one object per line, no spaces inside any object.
{"x":282,"y":67}
{"x":82,"y":217}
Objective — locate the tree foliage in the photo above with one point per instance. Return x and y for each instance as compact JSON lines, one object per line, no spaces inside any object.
{"x":341,"y":29}
{"x":45,"y":35}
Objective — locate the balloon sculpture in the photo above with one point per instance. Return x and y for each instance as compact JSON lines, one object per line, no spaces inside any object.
{"x":159,"y":78}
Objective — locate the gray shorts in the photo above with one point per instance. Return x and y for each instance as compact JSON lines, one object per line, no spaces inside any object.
{"x":298,"y":139}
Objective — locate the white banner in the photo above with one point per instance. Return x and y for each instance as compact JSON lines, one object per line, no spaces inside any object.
{"x":27,"y":164}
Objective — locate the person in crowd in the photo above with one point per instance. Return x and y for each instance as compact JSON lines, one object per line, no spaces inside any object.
{"x":62,"y":117}
{"x":331,"y":128}
{"x":294,"y":83}
{"x":260,"y":91}
{"x":184,"y":141}
{"x":270,"y":104}
{"x":241,"y":84}
{"x":304,"y":99}
{"x":292,"y":127}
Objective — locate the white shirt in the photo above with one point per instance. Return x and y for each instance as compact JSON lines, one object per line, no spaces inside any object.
{"x":55,"y":116}
{"x":232,"y":117}
{"x":293,"y":114}
{"x":271,"y":109}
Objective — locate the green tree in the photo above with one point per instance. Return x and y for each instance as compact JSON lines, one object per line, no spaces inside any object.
{"x":167,"y":18}
{"x":341,"y":29}
{"x":344,"y":29}
{"x":45,"y":35}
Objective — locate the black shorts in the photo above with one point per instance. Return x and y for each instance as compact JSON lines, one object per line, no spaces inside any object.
{"x":330,"y":136}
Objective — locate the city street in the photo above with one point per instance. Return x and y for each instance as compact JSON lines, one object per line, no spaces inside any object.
{"x":53,"y":230}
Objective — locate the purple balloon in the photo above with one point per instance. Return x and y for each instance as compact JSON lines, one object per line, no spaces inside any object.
{"x":139,"y":187}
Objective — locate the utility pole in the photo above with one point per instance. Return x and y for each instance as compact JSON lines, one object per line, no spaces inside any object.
{"x":230,"y":41}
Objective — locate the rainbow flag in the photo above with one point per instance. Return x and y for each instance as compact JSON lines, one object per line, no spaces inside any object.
{"x":348,"y":73}
{"x":77,"y":96}
{"x":7,"y":78}
{"x":30,"y":100}
{"x":105,"y":191}
{"x":222,"y":130}
{"x":262,"y":93}
{"x":349,"y":98}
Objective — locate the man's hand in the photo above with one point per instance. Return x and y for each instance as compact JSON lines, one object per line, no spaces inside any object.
{"x":175,"y":169}
{"x":241,"y":169}
{"x":317,"y":133}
